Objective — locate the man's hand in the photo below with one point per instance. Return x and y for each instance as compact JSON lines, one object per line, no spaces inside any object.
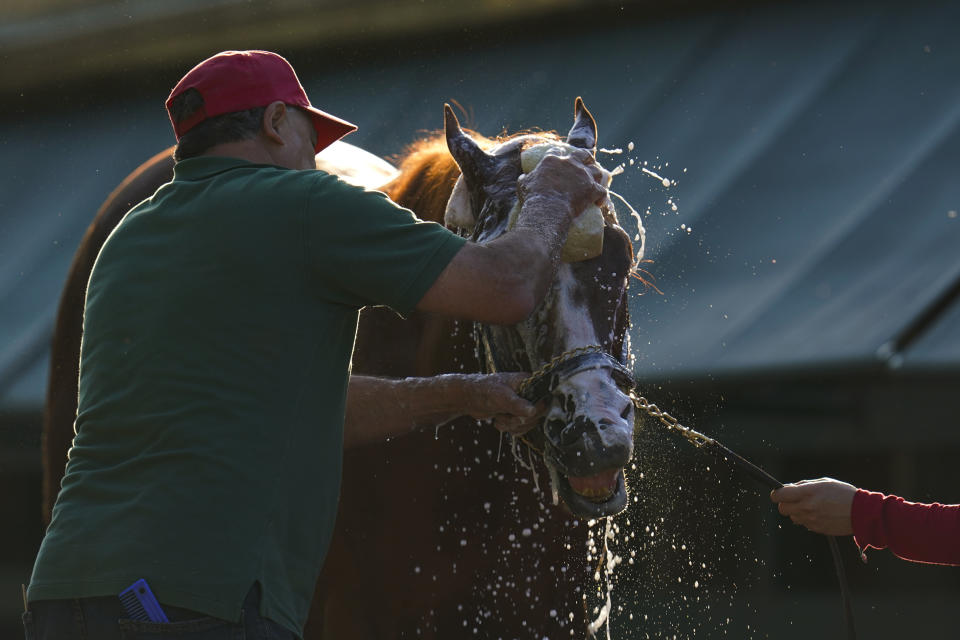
{"x":822,"y":506}
{"x":573,"y":181}
{"x":501,"y":281}
{"x":495,"y":396}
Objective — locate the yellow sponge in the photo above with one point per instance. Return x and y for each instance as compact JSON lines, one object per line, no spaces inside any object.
{"x":585,"y":237}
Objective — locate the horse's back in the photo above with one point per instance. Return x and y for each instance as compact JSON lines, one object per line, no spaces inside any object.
{"x":60,"y":410}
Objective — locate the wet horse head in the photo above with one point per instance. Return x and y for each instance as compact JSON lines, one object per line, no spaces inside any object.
{"x":576,"y":341}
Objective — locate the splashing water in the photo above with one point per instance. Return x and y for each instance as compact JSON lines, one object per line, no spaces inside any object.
{"x":652,"y":169}
{"x":675,"y":581}
{"x":664,"y":181}
{"x":609,"y":563}
{"x":636,"y":216}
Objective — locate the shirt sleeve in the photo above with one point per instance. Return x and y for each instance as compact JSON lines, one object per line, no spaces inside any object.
{"x":366,"y":250}
{"x":911,"y":530}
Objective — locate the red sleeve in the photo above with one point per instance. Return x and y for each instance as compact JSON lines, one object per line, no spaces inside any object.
{"x":911,"y":530}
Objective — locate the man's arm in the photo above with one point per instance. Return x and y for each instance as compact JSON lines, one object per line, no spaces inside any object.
{"x":502,"y":281}
{"x":379,"y":408}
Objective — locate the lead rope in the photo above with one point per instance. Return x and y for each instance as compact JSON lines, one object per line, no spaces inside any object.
{"x":701,"y":441}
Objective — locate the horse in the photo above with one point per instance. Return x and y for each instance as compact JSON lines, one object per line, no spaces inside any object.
{"x":451,"y":532}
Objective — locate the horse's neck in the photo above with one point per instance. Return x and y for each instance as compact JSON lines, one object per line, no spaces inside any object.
{"x":446,"y":346}
{"x":423,"y":344}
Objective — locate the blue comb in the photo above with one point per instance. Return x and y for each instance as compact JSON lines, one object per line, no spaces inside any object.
{"x":140,"y":604}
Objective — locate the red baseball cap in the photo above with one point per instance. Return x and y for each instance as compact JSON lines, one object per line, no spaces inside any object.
{"x":240,"y":80}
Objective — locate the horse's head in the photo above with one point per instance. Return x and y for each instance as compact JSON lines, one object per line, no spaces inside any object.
{"x":576,"y":340}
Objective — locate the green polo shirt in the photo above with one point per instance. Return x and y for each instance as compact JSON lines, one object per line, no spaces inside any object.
{"x":218,"y":331}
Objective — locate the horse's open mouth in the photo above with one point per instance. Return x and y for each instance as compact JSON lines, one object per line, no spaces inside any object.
{"x":596,"y":496}
{"x":595,"y":488}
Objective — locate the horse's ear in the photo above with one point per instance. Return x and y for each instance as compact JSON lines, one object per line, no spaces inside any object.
{"x":583,"y":134}
{"x":475,"y":164}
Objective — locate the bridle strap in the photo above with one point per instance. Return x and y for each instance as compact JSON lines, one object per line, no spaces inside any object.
{"x":543,"y":381}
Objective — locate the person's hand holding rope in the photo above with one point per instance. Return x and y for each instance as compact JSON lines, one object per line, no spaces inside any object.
{"x":822,"y":505}
{"x":495,"y":397}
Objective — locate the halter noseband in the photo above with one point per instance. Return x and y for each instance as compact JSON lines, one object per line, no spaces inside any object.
{"x":543,"y":381}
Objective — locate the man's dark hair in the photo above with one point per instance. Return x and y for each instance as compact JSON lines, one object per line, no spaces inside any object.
{"x":228,"y":127}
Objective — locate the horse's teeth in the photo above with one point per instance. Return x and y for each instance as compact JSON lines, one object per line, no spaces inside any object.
{"x":599,"y":487}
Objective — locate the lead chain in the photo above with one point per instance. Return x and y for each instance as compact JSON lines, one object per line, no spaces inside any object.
{"x":695,"y":438}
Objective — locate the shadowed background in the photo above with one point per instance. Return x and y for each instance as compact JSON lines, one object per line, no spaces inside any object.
{"x":806,"y":244}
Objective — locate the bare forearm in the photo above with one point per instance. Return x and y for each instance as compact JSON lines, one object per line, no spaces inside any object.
{"x":522,"y":262}
{"x":536,"y":242}
{"x":380,"y":408}
{"x":501,"y":281}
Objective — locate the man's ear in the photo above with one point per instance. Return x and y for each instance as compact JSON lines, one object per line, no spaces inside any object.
{"x":274,"y":118}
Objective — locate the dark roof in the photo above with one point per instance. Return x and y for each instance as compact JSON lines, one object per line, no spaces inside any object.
{"x":812,"y":149}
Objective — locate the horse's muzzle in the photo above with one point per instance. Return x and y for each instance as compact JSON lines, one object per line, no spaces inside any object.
{"x":588,"y":440}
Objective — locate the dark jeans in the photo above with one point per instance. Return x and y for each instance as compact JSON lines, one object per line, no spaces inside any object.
{"x":104,"y":619}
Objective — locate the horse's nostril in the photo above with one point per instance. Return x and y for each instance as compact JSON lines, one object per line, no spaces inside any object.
{"x":571,"y":434}
{"x":603,"y":423}
{"x":555,"y":428}
{"x":626,"y":411}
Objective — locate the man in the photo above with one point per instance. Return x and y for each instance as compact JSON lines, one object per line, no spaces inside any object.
{"x":218,"y":330}
{"x":911,"y":530}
